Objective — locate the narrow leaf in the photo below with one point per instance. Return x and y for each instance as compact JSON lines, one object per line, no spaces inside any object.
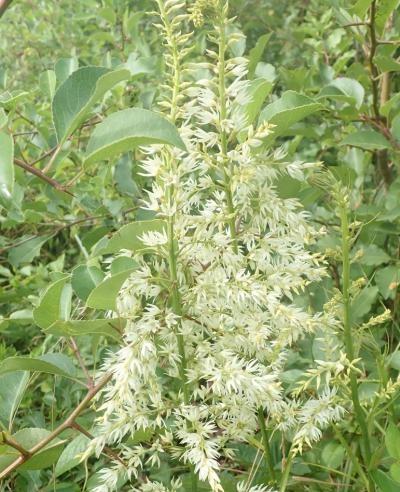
{"x":49,"y":309}
{"x":256,"y":53}
{"x":110,"y":327}
{"x":57,"y":364}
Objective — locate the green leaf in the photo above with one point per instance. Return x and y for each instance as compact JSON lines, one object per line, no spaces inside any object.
{"x":393,"y":360}
{"x":47,"y":83}
{"x":367,"y":140}
{"x":288,"y":110}
{"x":28,"y":438}
{"x":84,"y":279}
{"x":257,"y":91}
{"x":256,"y":53}
{"x":128,"y":129}
{"x":64,"y":68}
{"x":386,"y":63}
{"x":373,"y":256}
{"x":76,"y":96}
{"x":110,"y":327}
{"x":333,"y":455}
{"x":362,"y":304}
{"x":70,"y":456}
{"x":383,"y":12}
{"x":57,"y":364}
{"x":122,"y":263}
{"x":387,"y":280}
{"x":392,"y":441}
{"x":128,"y":237}
{"x":105,"y":294}
{"x":6,"y":165}
{"x":345,"y":89}
{"x":27,"y":251}
{"x":50,"y":308}
{"x":3,"y":118}
{"x":384,"y":482}
{"x":360,"y":8}
{"x":9,"y":100}
{"x":12,"y":389}
{"x":395,"y":471}
{"x":395,"y":129}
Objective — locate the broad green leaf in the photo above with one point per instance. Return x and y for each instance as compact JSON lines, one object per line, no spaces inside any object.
{"x":64,"y":68}
{"x":386,"y":63}
{"x":70,"y":456}
{"x":84,"y":279}
{"x":122,"y":263}
{"x":128,"y":129}
{"x":256,"y":53}
{"x":362,"y":304}
{"x":110,"y":327}
{"x":105,"y":294}
{"x":75,"y":98}
{"x":28,"y":438}
{"x":392,"y":441}
{"x":361,"y":7}
{"x":57,"y":364}
{"x":288,"y":110}
{"x":384,"y":482}
{"x":257,"y":91}
{"x":27,"y":251}
{"x":373,"y":256}
{"x":387,"y":279}
{"x":383,"y":12}
{"x":128,"y":237}
{"x":333,"y":454}
{"x":47,"y":83}
{"x":367,"y":140}
{"x":3,"y":119}
{"x":6,"y":165}
{"x":350,"y":89}
{"x":395,"y":471}
{"x":50,"y":309}
{"x":395,"y":129}
{"x":393,"y":360}
{"x":12,"y":389}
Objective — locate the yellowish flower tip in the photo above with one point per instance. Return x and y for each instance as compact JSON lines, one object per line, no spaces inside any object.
{"x":201,"y":10}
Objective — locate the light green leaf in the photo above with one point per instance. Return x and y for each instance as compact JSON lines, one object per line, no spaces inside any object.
{"x":373,"y":256}
{"x":84,"y":279}
{"x":362,"y":304}
{"x":288,"y":110}
{"x":28,"y":438}
{"x":333,"y":454}
{"x":76,"y":96}
{"x":257,"y":91}
{"x":128,"y":237}
{"x":12,"y":389}
{"x":49,"y":309}
{"x":110,"y":327}
{"x":367,"y":140}
{"x":6,"y":165}
{"x":47,"y":83}
{"x":57,"y":364}
{"x":387,"y":280}
{"x":392,"y":441}
{"x":395,"y":471}
{"x":256,"y":53}
{"x":395,"y":129}
{"x":27,"y":251}
{"x":9,"y":100}
{"x":70,"y":456}
{"x":64,"y":68}
{"x":386,"y":63}
{"x":3,"y":119}
{"x":105,"y":294}
{"x":345,"y":89}
{"x":384,"y":482}
{"x":128,"y":129}
{"x":383,"y":12}
{"x":360,"y":8}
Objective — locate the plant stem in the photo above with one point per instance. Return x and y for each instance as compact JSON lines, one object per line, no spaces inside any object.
{"x":348,"y":336}
{"x":267,"y":449}
{"x":286,"y":472}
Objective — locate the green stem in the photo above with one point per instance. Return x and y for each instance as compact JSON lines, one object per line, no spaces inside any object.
{"x":286,"y":472}
{"x":267,"y":449}
{"x":348,"y":336}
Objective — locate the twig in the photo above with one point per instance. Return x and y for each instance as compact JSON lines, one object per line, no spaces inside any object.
{"x":81,"y":362}
{"x":10,"y":441}
{"x":68,"y":423}
{"x":40,"y":174}
{"x":106,"y":450}
{"x":53,"y":158}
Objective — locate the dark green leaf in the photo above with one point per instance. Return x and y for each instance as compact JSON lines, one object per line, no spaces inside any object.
{"x":84,"y":279}
{"x":105,"y":294}
{"x":367,"y":140}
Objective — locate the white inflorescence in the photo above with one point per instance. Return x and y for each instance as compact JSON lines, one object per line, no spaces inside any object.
{"x":237,"y":320}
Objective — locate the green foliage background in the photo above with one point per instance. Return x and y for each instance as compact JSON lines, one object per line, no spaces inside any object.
{"x":346,"y":112}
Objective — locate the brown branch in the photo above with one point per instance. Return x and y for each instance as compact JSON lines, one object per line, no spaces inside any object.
{"x":81,"y":362}
{"x":10,"y":441}
{"x":4,"y":4}
{"x":106,"y":450}
{"x":40,"y":174}
{"x":68,"y":423}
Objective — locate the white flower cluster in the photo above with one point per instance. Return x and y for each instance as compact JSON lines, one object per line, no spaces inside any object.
{"x":210,"y":312}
